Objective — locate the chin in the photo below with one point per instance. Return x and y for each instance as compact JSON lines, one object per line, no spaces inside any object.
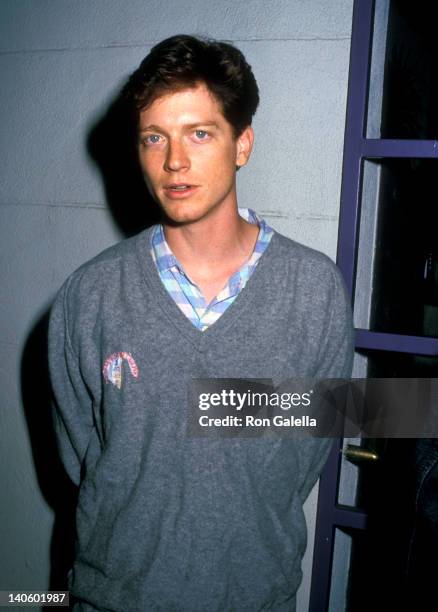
{"x":180,"y":219}
{"x":181,"y":214}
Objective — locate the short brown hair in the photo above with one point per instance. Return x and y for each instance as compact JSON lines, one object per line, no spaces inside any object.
{"x":183,"y":61}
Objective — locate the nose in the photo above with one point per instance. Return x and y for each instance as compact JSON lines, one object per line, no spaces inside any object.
{"x":177,"y":158}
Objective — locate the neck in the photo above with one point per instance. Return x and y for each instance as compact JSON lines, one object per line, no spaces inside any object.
{"x":213,"y":245}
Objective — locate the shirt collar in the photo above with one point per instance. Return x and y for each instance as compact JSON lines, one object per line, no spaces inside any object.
{"x":165,"y":259}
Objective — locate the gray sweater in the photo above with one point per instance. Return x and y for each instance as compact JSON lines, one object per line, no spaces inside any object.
{"x":166,"y":522}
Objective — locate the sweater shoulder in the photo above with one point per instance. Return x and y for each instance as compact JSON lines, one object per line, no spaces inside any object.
{"x":306,"y":261}
{"x":112,"y":256}
{"x":99,"y":279}
{"x":321,"y":317}
{"x":102,"y":269}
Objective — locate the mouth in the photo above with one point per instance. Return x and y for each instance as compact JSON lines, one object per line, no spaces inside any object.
{"x":177,"y":190}
{"x":179,"y":186}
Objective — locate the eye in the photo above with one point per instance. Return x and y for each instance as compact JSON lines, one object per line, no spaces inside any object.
{"x":201,"y":134}
{"x":151,"y":139}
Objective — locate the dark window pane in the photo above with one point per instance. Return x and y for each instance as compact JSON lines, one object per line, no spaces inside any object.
{"x":398,"y":248}
{"x":410,"y":89}
{"x":390,"y":559}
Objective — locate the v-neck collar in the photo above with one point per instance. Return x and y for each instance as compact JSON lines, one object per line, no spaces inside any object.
{"x":177,"y":318}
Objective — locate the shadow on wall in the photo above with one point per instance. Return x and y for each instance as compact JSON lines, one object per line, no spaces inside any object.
{"x":57,"y":489}
{"x":112,"y":146}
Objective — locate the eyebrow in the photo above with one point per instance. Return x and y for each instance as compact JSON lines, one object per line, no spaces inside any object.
{"x":151,"y":128}
{"x":157,"y":128}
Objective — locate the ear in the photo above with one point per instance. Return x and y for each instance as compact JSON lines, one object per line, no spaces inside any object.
{"x":244,"y":145}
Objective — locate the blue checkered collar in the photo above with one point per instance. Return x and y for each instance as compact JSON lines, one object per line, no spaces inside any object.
{"x":166,"y":260}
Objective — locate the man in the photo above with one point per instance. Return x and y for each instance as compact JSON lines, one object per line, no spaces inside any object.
{"x":165,"y":521}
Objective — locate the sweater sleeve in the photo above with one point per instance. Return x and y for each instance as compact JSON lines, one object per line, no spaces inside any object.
{"x":335,"y":360}
{"x":72,"y":403}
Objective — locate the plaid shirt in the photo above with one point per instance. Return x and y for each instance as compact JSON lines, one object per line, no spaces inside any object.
{"x":186,"y":294}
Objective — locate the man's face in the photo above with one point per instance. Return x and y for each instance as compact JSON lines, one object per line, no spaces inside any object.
{"x":188,"y":154}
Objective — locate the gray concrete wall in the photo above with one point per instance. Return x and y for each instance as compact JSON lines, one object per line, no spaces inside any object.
{"x":62,"y":63}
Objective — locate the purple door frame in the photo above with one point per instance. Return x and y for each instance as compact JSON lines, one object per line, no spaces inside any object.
{"x":357,"y":147}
